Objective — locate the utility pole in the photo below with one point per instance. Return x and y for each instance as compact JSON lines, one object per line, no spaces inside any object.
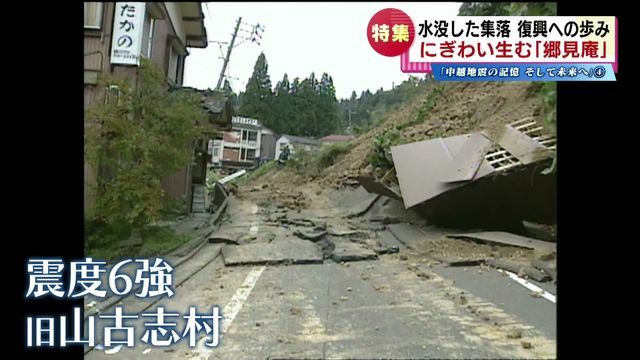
{"x":226,"y":59}
{"x":350,"y":112}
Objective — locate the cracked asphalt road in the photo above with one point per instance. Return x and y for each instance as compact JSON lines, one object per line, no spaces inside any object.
{"x":398,"y":306}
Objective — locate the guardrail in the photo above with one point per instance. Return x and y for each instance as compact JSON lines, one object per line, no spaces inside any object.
{"x":232,"y":176}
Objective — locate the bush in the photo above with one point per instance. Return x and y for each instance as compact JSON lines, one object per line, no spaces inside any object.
{"x":430,"y":102}
{"x":330,"y":154}
{"x":105,"y":241}
{"x":380,"y":155}
{"x":312,"y":163}
{"x":549,"y":96}
{"x":261,"y":171}
{"x":143,"y":136}
{"x":304,"y":163}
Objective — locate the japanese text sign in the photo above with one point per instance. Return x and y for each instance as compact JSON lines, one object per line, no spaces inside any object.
{"x":127,"y":33}
{"x":520,"y":48}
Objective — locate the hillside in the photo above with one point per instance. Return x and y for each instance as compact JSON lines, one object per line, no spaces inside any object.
{"x":434,"y":110}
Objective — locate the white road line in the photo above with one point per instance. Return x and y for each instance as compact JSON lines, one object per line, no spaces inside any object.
{"x":233,"y":307}
{"x":530,"y":286}
{"x":231,"y":310}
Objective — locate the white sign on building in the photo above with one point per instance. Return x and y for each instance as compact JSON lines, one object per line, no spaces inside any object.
{"x":127,"y":33}
{"x":244,"y":120}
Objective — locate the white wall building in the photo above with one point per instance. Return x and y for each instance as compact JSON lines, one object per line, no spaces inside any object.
{"x":296,"y":143}
{"x":239,"y":147}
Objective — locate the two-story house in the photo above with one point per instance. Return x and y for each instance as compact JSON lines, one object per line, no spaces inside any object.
{"x":247,"y":144}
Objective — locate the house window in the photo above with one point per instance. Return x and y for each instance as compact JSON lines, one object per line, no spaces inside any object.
{"x":215,"y":151}
{"x":112,"y":94}
{"x":253,"y":135}
{"x":179,"y":65}
{"x":174,"y":65}
{"x":249,"y":135}
{"x":247,"y":154}
{"x":93,"y":15}
{"x":147,"y":35}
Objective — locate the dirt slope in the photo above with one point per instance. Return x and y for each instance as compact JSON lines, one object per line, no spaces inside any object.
{"x":462,"y":108}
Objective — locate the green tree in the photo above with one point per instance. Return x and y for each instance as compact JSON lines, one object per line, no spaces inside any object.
{"x":282,"y":106}
{"x":227,"y":87}
{"x":140,"y":137}
{"x":327,"y":113}
{"x":257,"y":98}
{"x":233,"y":97}
{"x":305,"y":109}
{"x":508,"y":9}
{"x":483,"y":9}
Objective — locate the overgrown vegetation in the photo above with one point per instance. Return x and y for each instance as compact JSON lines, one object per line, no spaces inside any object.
{"x":211,"y":178}
{"x":371,"y":108}
{"x":304,"y":163}
{"x":136,"y":137}
{"x":262,"y":170}
{"x":136,"y":140}
{"x":312,"y":164}
{"x":380,"y":156}
{"x":508,"y":9}
{"x":330,"y":154}
{"x":422,"y":114}
{"x":106,"y":241}
{"x":549,"y":94}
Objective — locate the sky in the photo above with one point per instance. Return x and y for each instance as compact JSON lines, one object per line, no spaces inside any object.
{"x":300,"y":38}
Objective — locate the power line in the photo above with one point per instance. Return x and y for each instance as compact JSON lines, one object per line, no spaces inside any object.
{"x":256,"y":36}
